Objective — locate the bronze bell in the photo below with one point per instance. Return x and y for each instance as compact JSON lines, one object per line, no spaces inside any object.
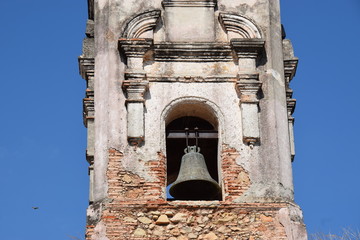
{"x":194,"y":181}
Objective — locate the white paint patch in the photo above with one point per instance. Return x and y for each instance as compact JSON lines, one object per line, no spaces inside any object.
{"x":277,"y":76}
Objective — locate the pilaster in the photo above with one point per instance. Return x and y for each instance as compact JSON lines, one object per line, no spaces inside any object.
{"x":248,"y":87}
{"x":135,"y":86}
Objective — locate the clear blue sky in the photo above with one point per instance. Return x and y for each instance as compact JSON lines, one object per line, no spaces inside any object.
{"x":42,"y":143}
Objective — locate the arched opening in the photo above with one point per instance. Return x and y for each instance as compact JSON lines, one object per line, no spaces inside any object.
{"x":191,"y":131}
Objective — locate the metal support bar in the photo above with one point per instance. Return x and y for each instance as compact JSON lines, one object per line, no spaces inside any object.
{"x":210,"y":134}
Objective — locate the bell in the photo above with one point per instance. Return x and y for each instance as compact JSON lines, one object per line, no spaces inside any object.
{"x":194,"y":181}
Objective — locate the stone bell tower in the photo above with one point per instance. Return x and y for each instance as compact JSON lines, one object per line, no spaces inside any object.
{"x":211,"y":76}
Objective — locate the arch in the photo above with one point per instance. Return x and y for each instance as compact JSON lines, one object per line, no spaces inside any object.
{"x":241,"y":26}
{"x":141,"y":24}
{"x":193,"y":106}
{"x":204,"y":109}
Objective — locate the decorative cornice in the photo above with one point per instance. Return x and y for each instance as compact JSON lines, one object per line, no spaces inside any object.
{"x":135,"y":75}
{"x":88,"y":107}
{"x":247,"y":48}
{"x":187,"y":79}
{"x":189,"y":3}
{"x":248,"y":77}
{"x":291,"y":104}
{"x":194,"y":52}
{"x":248,"y":87}
{"x":248,"y":91}
{"x":135,"y":90}
{"x":290,"y":66}
{"x":135,"y":47}
{"x":141,"y":23}
{"x":86,"y":67}
{"x":244,"y":27}
{"x":291,"y":120}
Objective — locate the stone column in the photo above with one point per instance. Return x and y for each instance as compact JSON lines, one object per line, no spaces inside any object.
{"x":135,"y":86}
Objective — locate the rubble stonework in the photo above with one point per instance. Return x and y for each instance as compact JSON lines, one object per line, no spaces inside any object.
{"x":148,"y":63}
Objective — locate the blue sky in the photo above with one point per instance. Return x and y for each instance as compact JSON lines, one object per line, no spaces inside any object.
{"x":42,"y":143}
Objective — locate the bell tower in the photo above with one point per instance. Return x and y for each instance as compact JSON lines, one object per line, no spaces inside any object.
{"x":210,"y":77}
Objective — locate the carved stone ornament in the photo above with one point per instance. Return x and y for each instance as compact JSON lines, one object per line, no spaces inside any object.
{"x":141,"y":24}
{"x":135,"y":90}
{"x":135,"y":47}
{"x":248,"y":87}
{"x":247,"y":48}
{"x":241,"y":26}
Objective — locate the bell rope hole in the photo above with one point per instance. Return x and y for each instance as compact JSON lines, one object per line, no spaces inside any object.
{"x":177,"y":140}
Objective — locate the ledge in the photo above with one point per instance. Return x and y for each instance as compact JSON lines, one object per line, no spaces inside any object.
{"x":86,"y":67}
{"x":195,"y":52}
{"x":189,"y":3}
{"x":247,"y":47}
{"x":290,"y":66}
{"x":192,"y":51}
{"x":135,"y":47}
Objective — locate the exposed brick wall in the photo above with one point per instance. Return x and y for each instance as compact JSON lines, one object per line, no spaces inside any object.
{"x":135,"y":209}
{"x":125,"y":186}
{"x":89,"y":231}
{"x":236,"y":179}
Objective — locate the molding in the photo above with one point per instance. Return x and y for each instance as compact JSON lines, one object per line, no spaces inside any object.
{"x":291,"y":104}
{"x":86,"y":67}
{"x":187,"y":79}
{"x":193,"y":52}
{"x":135,"y":47}
{"x":291,"y":120}
{"x":135,"y":90}
{"x":248,"y":91}
{"x":289,"y":93}
{"x":247,"y":87}
{"x":290,"y":66}
{"x":248,"y":77}
{"x":189,"y":3}
{"x":240,"y":25}
{"x":247,"y":48}
{"x":141,"y":23}
{"x":88,"y":107}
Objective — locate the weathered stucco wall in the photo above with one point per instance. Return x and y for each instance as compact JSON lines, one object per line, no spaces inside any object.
{"x":223,"y":57}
